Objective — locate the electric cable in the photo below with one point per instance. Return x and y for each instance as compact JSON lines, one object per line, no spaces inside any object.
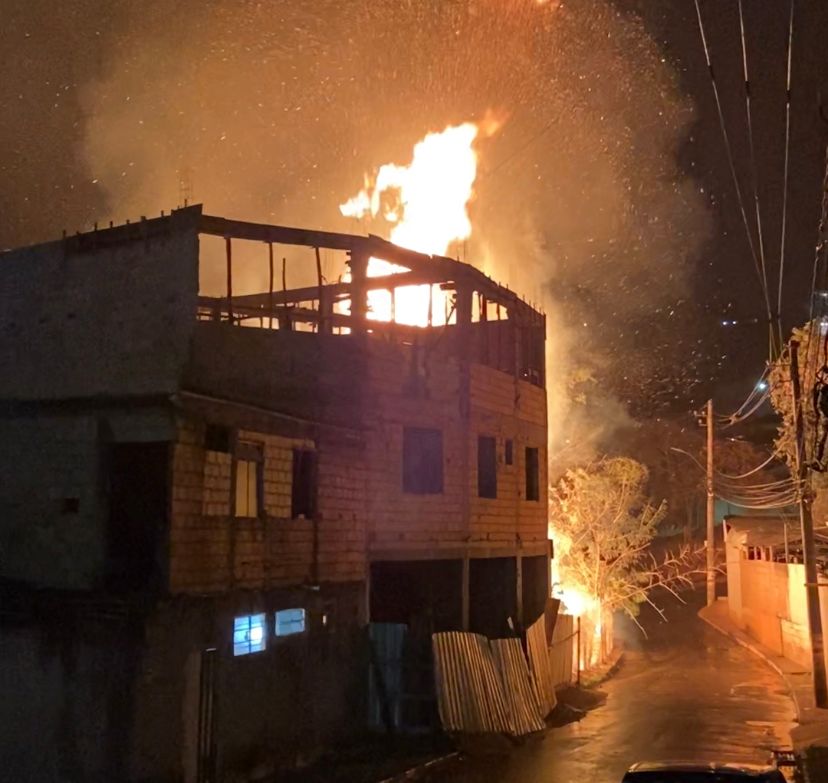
{"x":783,"y":503}
{"x":752,"y":471}
{"x":785,"y":170}
{"x":761,"y":488}
{"x":731,"y":164}
{"x":746,"y":415}
{"x":757,"y":389}
{"x":754,"y":177}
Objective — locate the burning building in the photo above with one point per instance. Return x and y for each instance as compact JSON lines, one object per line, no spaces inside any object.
{"x":206,"y":498}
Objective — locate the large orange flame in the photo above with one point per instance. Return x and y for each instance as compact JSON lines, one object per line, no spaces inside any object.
{"x":426,"y":204}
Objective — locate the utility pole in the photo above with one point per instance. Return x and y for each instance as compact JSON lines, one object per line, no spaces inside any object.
{"x":808,"y":547}
{"x":711,"y":512}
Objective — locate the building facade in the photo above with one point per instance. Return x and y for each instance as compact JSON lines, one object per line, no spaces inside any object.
{"x":207,"y":497}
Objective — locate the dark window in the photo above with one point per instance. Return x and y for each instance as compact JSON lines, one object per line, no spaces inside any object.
{"x":532,"y":475}
{"x":249,"y":481}
{"x":70,"y":506}
{"x":422,"y":461}
{"x":303,"y":493}
{"x":138,"y":491}
{"x":217,"y":438}
{"x":486,"y":467}
{"x":508,"y":452}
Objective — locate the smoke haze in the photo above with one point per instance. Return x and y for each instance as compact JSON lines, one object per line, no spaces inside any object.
{"x":273,"y":111}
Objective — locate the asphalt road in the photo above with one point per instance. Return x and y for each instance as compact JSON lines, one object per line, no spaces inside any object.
{"x":686,"y":692}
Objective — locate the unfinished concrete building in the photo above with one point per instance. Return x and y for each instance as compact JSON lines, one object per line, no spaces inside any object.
{"x":206,"y":498}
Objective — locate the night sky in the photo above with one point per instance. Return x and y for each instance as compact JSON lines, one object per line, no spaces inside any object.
{"x":606,"y":195}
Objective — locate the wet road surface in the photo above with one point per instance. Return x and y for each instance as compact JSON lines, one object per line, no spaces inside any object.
{"x":685,"y":693}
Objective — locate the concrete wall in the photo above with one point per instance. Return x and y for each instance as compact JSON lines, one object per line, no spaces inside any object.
{"x":95,"y":692}
{"x":764,"y":601}
{"x":53,"y":492}
{"x":733,"y":554}
{"x":277,"y":706}
{"x":99,"y":321}
{"x":66,"y":681}
{"x":315,"y":377}
{"x":769,"y":602}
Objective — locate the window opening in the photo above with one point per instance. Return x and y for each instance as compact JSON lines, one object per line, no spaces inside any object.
{"x":249,"y":634}
{"x":486,"y":467}
{"x":303,"y":490}
{"x":422,"y":461}
{"x":532,"y":474}
{"x":290,"y":621}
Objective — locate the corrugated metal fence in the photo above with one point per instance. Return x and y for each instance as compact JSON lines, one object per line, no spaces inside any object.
{"x":493,"y":686}
{"x":540,"y":665}
{"x":469,"y":692}
{"x":562,"y":658}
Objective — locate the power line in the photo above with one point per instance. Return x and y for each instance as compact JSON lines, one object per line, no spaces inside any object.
{"x":731,"y":164}
{"x":760,"y":387}
{"x":821,"y":242}
{"x":764,"y":486}
{"x":753,"y":470}
{"x":781,"y":503}
{"x":752,"y":154}
{"x":739,"y":418}
{"x":785,"y":170}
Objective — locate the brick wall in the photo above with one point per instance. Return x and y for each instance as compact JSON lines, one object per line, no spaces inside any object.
{"x":409,"y":389}
{"x":212,"y":551}
{"x":376,"y":388}
{"x":408,"y":386}
{"x":508,"y":409}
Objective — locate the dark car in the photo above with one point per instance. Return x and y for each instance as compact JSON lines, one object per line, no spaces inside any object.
{"x":701,"y":773}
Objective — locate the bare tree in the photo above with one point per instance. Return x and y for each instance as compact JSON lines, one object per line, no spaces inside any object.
{"x":604,"y":523}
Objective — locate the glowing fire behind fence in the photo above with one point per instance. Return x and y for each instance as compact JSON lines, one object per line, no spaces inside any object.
{"x":576,"y":599}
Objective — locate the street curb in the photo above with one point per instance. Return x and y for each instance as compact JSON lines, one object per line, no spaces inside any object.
{"x":420,"y":769}
{"x":759,"y":654}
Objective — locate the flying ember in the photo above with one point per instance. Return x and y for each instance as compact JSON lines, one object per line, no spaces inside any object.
{"x":426,"y":205}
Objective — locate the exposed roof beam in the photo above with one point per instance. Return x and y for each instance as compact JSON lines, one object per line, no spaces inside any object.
{"x":436,"y":268}
{"x":385,"y":282}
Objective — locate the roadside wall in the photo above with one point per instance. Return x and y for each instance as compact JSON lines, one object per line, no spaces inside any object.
{"x":770,"y":604}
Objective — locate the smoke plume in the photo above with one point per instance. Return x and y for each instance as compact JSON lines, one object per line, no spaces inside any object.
{"x":273,"y":111}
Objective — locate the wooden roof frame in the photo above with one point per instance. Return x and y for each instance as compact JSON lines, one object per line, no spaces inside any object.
{"x":424,"y":269}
